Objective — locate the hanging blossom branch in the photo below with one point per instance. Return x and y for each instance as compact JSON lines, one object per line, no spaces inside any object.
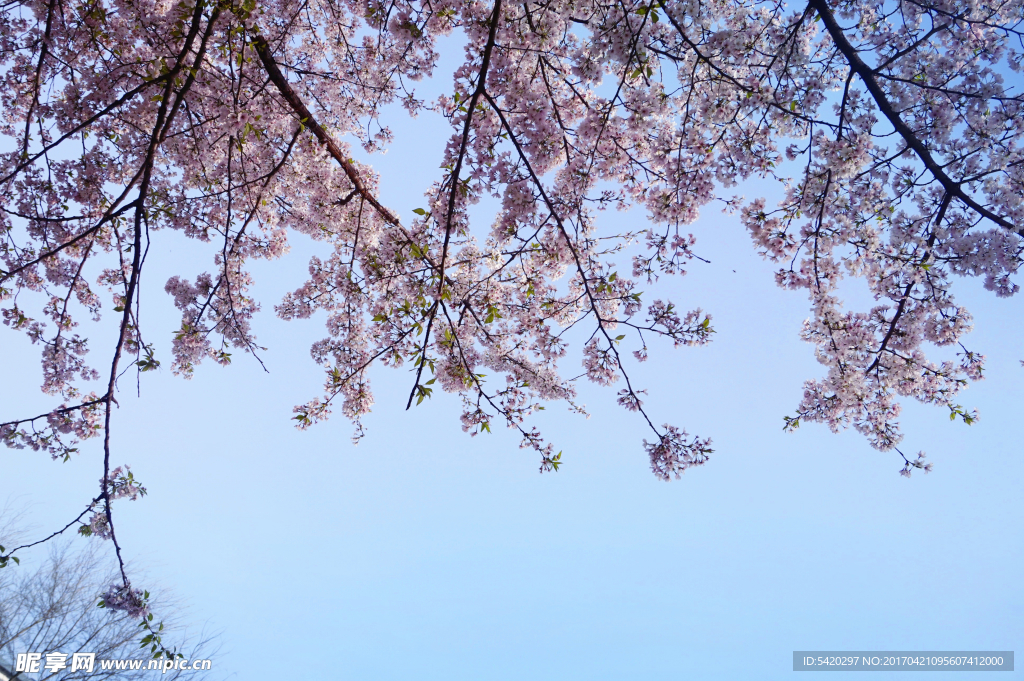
{"x":454,"y":186}
{"x":670,"y":453}
{"x":59,"y":367}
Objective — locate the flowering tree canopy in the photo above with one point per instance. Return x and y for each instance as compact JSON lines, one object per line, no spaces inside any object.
{"x":892,"y":128}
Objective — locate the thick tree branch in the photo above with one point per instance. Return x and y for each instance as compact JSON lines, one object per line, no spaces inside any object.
{"x":307,"y":119}
{"x":910,"y":138}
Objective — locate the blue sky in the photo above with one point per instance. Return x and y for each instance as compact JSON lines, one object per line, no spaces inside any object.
{"x":423,"y":553}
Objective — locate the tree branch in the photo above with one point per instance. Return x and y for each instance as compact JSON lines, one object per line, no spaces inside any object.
{"x":911,"y":139}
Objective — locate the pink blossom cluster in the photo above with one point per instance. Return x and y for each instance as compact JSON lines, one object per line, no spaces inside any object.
{"x":674,"y":452}
{"x":118,"y":483}
{"x":121,"y":483}
{"x":132,"y":602}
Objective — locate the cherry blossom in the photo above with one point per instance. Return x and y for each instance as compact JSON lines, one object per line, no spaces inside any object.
{"x":892,"y":131}
{"x":124,"y":597}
